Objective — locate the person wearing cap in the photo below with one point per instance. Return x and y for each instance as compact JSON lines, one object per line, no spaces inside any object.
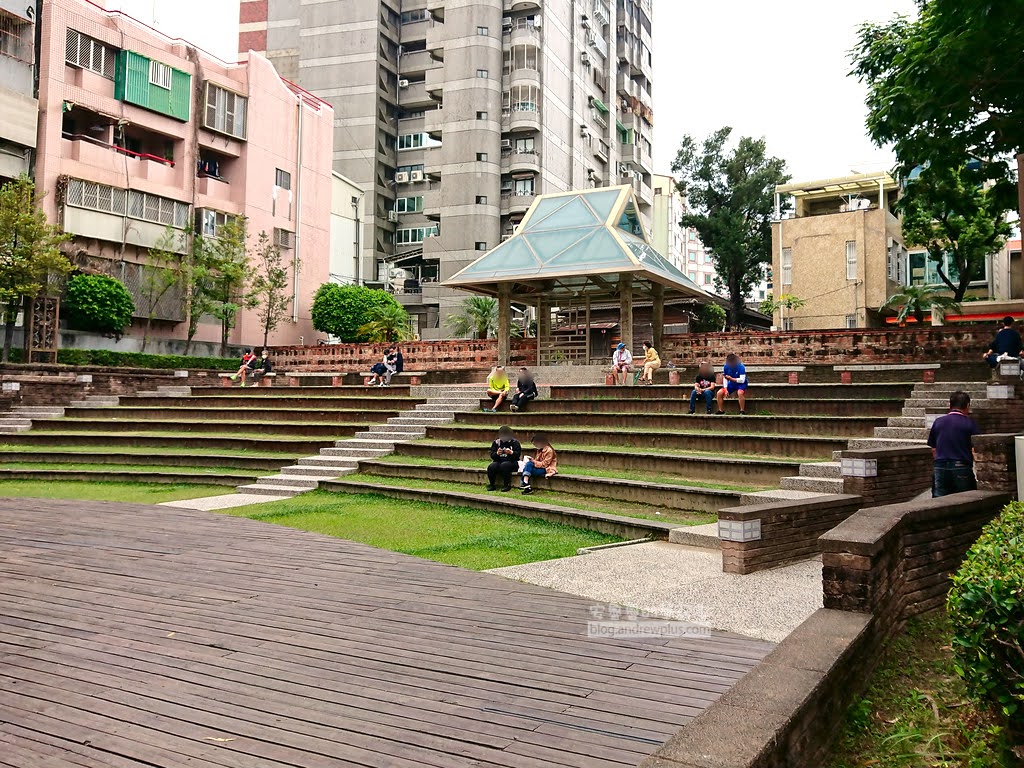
{"x":622,"y":359}
{"x":505,"y":454}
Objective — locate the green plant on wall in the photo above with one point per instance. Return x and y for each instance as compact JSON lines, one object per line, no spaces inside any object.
{"x":98,"y":304}
{"x":478,"y":318}
{"x":710,"y":319}
{"x":915,"y":300}
{"x":771,"y":305}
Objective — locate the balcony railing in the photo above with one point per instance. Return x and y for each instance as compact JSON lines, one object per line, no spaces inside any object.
{"x":115,"y":148}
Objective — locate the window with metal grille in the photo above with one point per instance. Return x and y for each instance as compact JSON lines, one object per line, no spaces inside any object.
{"x":211,"y":223}
{"x":851,"y":259}
{"x":160,"y":74}
{"x":282,"y":179}
{"x":225,"y":111}
{"x":96,"y":197}
{"x":283,"y":238}
{"x":85,"y":52}
{"x":787,"y":266}
{"x":16,"y":38}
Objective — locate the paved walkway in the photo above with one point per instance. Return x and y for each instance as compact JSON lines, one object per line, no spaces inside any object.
{"x":136,"y":636}
{"x":227,"y":501}
{"x":686,"y":583}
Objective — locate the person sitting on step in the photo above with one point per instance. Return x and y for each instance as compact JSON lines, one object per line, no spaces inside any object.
{"x":735,"y":376}
{"x":543,"y":464}
{"x":247,"y":369}
{"x":652,"y":362}
{"x":246,"y":357}
{"x":263,"y":367}
{"x":703,"y":387}
{"x":526,"y":390}
{"x":1007,"y":343}
{"x":505,"y":453}
{"x":622,"y":359}
{"x":498,"y":387}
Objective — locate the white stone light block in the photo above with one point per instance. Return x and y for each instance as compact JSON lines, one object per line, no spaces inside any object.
{"x":83,"y":378}
{"x":999,"y":392}
{"x":739,"y":530}
{"x":929,"y":419}
{"x":859,"y":467}
{"x":181,"y":374}
{"x":11,"y":386}
{"x":1009,"y":367}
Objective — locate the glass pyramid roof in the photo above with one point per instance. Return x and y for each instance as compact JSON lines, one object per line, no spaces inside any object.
{"x":575,"y":234}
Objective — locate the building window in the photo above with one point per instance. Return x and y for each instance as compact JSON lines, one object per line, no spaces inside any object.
{"x":523,"y":187}
{"x":760,"y":295}
{"x":787,"y":324}
{"x":521,"y":57}
{"x":482,"y":31}
{"x":481,"y":246}
{"x":707,"y":258}
{"x":851,"y":259}
{"x":225,"y":111}
{"x":410,"y":168}
{"x":16,"y":38}
{"x":481,"y":199}
{"x":416,"y":141}
{"x":282,"y":179}
{"x":212,"y":222}
{"x":692,"y":276}
{"x":481,"y":157}
{"x":691,"y":235}
{"x":787,"y":266}
{"x":82,"y":51}
{"x":409,"y":204}
{"x":160,"y":75}
{"x":411,"y":17}
{"x":851,"y":321}
{"x":414,"y":235}
{"x":692,"y":257}
{"x":525,"y":146}
{"x":137,"y":205}
{"x":481,"y":115}
{"x":482,"y":74}
{"x":708,"y":279}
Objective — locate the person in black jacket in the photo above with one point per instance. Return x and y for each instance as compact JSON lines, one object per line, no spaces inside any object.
{"x":526,"y":390}
{"x":505,"y":453}
{"x":263,"y":368}
{"x":1007,"y":342}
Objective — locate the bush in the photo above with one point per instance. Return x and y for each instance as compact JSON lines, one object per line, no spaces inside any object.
{"x":342,"y":310}
{"x":99,"y":304}
{"x":109,"y":359}
{"x":986,"y":607}
{"x":710,"y":320}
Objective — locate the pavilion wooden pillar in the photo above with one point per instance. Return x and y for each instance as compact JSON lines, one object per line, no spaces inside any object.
{"x":504,"y":324}
{"x":543,"y":326}
{"x":658,"y":316}
{"x":586,"y":335}
{"x":626,"y":310}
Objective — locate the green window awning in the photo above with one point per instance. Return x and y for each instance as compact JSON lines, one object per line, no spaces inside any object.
{"x":598,"y":105}
{"x":620,"y":126}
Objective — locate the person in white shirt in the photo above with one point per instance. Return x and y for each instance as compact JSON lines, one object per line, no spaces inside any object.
{"x":621,"y":361}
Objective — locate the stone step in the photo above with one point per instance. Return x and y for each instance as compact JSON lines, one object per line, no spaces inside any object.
{"x":906,"y":421}
{"x":947,"y":388}
{"x":392,"y":429}
{"x":318,"y":472}
{"x":272,"y":490}
{"x":344,"y":450}
{"x":297,"y":481}
{"x":7,"y":430}
{"x":705,"y":536}
{"x":914,"y":411}
{"x":38,"y":410}
{"x":89,"y":402}
{"x":812,"y":484}
{"x":331,"y":461}
{"x":771,"y":497}
{"x":419,"y":421}
{"x":434,"y":408}
{"x":14,"y":421}
{"x":868,"y":443}
{"x":932,"y":402}
{"x":837,"y":456}
{"x":391,"y":436}
{"x":829,"y":469}
{"x":902,"y":433}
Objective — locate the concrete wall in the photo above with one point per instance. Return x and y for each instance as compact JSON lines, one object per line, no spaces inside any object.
{"x":345,"y":230}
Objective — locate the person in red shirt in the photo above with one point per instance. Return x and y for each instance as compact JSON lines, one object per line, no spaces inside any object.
{"x":950,"y":440}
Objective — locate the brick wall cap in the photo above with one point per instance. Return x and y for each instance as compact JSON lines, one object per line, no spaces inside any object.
{"x":887,"y":453}
{"x":818,"y":502}
{"x":889,"y":367}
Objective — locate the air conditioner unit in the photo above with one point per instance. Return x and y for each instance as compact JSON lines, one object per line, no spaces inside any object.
{"x":586,"y":22}
{"x":403,"y":83}
{"x":506,"y":143}
{"x":283,"y":238}
{"x":402,"y":177}
{"x":393,"y":217}
{"x":591,"y":174}
{"x":416,"y":176}
{"x":506,"y":23}
{"x":585,"y":58}
{"x":536,"y":23}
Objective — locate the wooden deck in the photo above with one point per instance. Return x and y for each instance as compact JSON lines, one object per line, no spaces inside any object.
{"x":152,"y":636}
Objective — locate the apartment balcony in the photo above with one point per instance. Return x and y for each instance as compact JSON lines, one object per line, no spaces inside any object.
{"x":523,"y":5}
{"x":435,"y":84}
{"x":432,"y":204}
{"x":523,"y":33}
{"x":414,"y":96}
{"x":521,"y":119}
{"x":435,"y":41}
{"x":213,"y":187}
{"x":638,"y":155}
{"x":520,"y":162}
{"x":512,"y":205}
{"x":415,"y":63}
{"x":436,"y":9}
{"x":119,"y":160}
{"x":524,"y":77}
{"x":433,"y":123}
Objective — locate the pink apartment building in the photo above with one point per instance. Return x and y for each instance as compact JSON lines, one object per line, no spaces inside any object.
{"x":139,"y":132}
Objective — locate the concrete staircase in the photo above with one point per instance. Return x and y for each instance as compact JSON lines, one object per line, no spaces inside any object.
{"x":19,"y":418}
{"x":344,"y":457}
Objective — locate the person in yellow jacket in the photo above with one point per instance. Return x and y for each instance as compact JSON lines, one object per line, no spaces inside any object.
{"x":498,"y":387}
{"x":652,"y":362}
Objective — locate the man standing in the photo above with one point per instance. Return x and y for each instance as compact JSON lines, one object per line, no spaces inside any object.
{"x":1007,"y":342}
{"x":950,"y":441}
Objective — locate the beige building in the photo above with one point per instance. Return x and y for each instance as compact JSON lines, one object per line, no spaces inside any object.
{"x":841,"y":252}
{"x":346,"y":229}
{"x":453,"y":115}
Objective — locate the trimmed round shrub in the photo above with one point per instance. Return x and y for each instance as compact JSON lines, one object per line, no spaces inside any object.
{"x":986,"y":607}
{"x":98,"y":304}
{"x":342,"y":310}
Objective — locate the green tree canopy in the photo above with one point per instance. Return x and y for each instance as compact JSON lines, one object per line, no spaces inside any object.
{"x":915,"y":300}
{"x":731,"y":198}
{"x":99,"y":304}
{"x":477,"y":318}
{"x":270,"y":285}
{"x":343,"y":310}
{"x":388,"y":322}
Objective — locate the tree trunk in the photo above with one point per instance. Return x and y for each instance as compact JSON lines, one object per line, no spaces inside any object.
{"x":9,"y":320}
{"x":224,"y":337}
{"x":145,"y":334}
{"x":736,"y":304}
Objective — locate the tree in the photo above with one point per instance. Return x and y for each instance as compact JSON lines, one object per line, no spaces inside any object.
{"x":916,"y":300}
{"x":478,"y":318}
{"x":731,"y":199}
{"x":228,"y":273}
{"x":98,"y":303}
{"x":343,"y":310}
{"x":196,"y":285}
{"x":388,"y":322}
{"x":945,"y":86}
{"x":710,"y":320}
{"x":159,"y":277}
{"x":771,"y":305}
{"x":29,"y":252}
{"x":270,"y":285}
{"x":953,"y":213}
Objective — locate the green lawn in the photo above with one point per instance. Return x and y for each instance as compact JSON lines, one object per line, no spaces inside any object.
{"x":128,"y":449}
{"x":456,"y":535}
{"x":140,"y":493}
{"x":917,"y":713}
{"x":587,"y":503}
{"x":628,"y":449}
{"x":87,"y":467}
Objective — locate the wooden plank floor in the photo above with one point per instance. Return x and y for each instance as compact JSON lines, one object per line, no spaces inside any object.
{"x":152,"y":636}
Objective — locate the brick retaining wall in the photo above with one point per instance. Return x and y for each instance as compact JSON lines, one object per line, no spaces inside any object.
{"x":900,"y":474}
{"x":453,"y":355}
{"x":995,"y":463}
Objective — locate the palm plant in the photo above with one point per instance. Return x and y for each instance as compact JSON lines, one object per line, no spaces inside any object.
{"x":387,"y":322}
{"x":478,"y":318}
{"x":917,"y":299}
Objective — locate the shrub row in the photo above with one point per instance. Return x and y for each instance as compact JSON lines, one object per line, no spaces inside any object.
{"x":109,"y":359}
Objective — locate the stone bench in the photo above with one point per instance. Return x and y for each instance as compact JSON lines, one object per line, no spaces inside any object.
{"x":265,"y":380}
{"x":927,"y":370}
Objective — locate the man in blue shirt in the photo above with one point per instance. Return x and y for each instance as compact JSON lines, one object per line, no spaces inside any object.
{"x":950,"y":441}
{"x":735,"y":376}
{"x":1006,"y":342}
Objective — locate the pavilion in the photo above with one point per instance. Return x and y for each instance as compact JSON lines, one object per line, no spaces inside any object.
{"x":574,"y":250}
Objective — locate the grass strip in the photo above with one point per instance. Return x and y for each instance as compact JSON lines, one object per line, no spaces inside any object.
{"x":142,"y":451}
{"x":469,"y":538}
{"x":90,"y":490}
{"x":233,"y":472}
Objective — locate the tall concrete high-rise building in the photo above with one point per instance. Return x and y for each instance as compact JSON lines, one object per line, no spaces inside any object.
{"x":453,"y":114}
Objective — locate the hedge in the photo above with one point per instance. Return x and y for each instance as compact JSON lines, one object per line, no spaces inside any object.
{"x":105,"y":358}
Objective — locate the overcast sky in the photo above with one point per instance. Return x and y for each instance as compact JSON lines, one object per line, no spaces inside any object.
{"x":776,"y":70}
